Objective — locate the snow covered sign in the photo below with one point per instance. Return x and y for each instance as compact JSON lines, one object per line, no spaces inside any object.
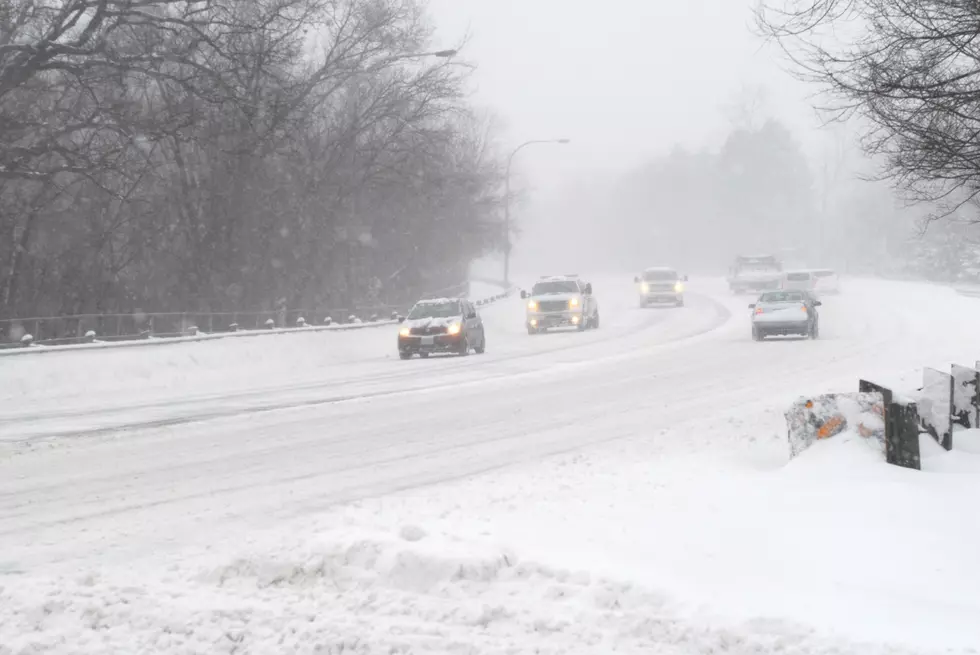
{"x":901,"y":426}
{"x":824,"y":416}
{"x":966,"y":396}
{"x":935,"y":406}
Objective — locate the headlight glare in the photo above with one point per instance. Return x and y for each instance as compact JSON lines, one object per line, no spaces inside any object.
{"x":645,"y":288}
{"x":404,"y":332}
{"x":455,"y":328}
{"x":532,"y":304}
{"x":573,"y":302}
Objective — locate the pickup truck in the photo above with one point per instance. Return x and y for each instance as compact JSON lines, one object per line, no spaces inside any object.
{"x":560,"y":301}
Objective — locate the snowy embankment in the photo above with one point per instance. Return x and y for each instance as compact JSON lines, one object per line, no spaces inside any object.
{"x":668,"y":519}
{"x":71,"y":381}
{"x":646,"y":547}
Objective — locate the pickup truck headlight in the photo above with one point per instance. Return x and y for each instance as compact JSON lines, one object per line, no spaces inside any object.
{"x":573,"y":302}
{"x":645,"y":288}
{"x":678,"y":287}
{"x":404,"y":332}
{"x":532,"y":305}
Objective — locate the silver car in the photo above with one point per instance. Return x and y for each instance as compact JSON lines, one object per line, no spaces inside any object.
{"x":661,"y":285}
{"x":784,"y":313}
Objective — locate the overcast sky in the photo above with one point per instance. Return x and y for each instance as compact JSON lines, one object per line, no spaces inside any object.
{"x":624,"y":79}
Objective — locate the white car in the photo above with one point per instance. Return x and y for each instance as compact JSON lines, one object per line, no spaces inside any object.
{"x":560,"y":301}
{"x":826,"y":281}
{"x":785,"y":313}
{"x":661,"y":285}
{"x":797,"y":281}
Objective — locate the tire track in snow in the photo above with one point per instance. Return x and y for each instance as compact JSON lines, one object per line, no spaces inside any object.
{"x":196,"y":415}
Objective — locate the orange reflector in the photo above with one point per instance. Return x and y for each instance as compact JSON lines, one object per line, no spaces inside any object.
{"x":833,"y":425}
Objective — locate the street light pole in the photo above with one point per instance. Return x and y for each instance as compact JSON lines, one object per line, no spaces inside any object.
{"x":510,"y":161}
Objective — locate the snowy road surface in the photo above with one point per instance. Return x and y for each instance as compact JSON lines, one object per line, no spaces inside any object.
{"x":268,"y":495}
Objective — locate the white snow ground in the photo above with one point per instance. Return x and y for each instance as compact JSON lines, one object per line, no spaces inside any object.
{"x":668,"y":519}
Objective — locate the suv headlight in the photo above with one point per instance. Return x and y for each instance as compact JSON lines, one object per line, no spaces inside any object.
{"x":455,"y":328}
{"x":404,"y":332}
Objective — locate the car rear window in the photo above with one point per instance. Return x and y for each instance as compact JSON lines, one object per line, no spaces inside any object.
{"x":782,"y":296}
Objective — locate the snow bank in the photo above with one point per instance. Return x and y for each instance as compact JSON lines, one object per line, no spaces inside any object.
{"x":742,"y":543}
{"x":196,"y":365}
{"x":219,"y":365}
{"x":373,"y":593}
{"x":611,"y":550}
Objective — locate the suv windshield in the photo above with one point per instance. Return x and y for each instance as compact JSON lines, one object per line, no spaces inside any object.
{"x":798,"y":277}
{"x":782,"y":296}
{"x":652,"y":276}
{"x":547,"y":288}
{"x":435,"y":310}
{"x":758,"y":267}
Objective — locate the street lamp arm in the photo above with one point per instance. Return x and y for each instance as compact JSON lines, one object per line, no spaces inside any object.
{"x":510,"y":161}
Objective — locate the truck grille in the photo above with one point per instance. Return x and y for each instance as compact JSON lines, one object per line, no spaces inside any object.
{"x":553,"y":305}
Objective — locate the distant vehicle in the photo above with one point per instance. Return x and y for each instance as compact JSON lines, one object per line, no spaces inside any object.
{"x":783,"y":313}
{"x":560,"y":301}
{"x":441,"y":325}
{"x":826,"y":281}
{"x":755,"y":273}
{"x":798,"y":281}
{"x":661,"y":285}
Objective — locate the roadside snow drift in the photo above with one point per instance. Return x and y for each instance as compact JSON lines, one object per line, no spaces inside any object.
{"x":589,"y":553}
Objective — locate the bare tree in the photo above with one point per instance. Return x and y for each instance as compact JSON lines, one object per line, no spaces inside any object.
{"x":910,"y":69}
{"x":227,"y":154}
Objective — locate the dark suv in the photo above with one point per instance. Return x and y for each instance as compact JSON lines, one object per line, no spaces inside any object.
{"x":442,"y":325}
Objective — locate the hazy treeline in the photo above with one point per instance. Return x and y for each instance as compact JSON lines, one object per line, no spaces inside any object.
{"x":697,"y":209}
{"x":755,"y":192}
{"x":233,"y":154}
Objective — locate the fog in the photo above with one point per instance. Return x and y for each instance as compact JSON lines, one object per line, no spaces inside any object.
{"x":635,"y":82}
{"x":350,"y":157}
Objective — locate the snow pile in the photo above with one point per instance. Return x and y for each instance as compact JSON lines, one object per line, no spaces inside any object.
{"x":213,"y":365}
{"x":58,"y":381}
{"x":617,"y":549}
{"x":373,"y":593}
{"x":824,"y":416}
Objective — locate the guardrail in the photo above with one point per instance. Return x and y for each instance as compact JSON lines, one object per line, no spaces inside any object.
{"x":972,"y":291}
{"x":193,"y":333}
{"x":84,"y":328}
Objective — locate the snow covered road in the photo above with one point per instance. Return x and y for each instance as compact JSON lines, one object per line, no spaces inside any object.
{"x":169,"y":466}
